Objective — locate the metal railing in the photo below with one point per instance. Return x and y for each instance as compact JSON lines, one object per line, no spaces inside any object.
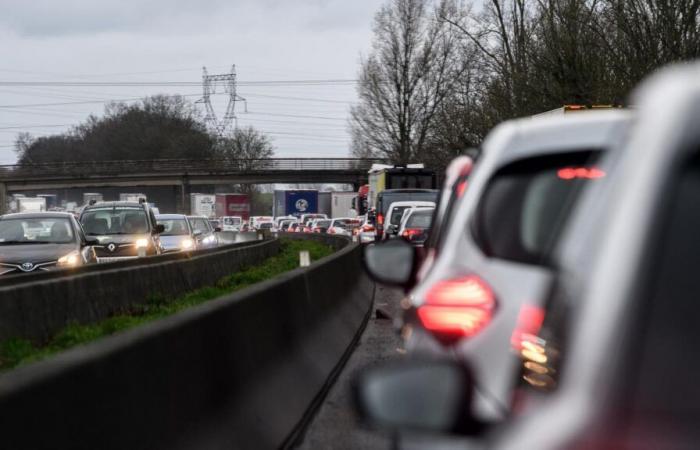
{"x":185,"y":166}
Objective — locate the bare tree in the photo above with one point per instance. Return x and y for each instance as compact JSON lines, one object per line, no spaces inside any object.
{"x":246,"y":147}
{"x":410,"y":72}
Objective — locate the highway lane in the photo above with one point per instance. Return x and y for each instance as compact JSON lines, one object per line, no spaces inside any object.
{"x":335,"y":425}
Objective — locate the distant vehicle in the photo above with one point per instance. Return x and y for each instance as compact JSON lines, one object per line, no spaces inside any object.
{"x":324,"y":203}
{"x":130,"y":197}
{"x":294,"y":202}
{"x":389,"y":196}
{"x":320,"y":225}
{"x":233,"y":205}
{"x":306,"y":218}
{"x":51,"y":201}
{"x":31,"y":204}
{"x":204,"y":234}
{"x":215,"y":223}
{"x":284,"y":224}
{"x":231,"y":223}
{"x":415,"y":226}
{"x":203,"y":205}
{"x":92,"y":197}
{"x":123,"y":230}
{"x":294,"y":227}
{"x":384,"y":177}
{"x":342,"y":204}
{"x":344,"y":226}
{"x":35,"y":242}
{"x":359,"y":203}
{"x":256,"y":221}
{"x":178,"y":235}
{"x":397,"y":211}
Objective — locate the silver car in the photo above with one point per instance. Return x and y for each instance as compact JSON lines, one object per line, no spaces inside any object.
{"x":491,"y":272}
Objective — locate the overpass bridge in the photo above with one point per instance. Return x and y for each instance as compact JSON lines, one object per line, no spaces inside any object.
{"x":181,"y":173}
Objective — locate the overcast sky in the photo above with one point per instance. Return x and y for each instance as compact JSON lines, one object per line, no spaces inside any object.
{"x":170,"y":41}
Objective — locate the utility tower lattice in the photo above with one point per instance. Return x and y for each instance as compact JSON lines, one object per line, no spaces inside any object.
{"x":209,"y":84}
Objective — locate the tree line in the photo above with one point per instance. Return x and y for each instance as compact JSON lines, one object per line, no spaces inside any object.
{"x":441,"y":74}
{"x":158,"y":127}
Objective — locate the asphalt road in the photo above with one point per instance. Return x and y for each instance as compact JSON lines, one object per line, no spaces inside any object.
{"x":335,"y":425}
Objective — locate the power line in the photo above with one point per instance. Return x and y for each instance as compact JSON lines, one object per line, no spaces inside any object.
{"x":178,"y":83}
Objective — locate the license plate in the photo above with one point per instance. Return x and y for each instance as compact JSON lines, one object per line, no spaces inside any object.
{"x":116,"y":258}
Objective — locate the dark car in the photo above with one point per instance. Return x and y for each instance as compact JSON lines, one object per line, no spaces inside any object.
{"x":124,"y":230}
{"x":31,"y":242}
{"x":203,"y":233}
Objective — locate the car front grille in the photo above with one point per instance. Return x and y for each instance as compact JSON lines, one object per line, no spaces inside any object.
{"x":7,"y":268}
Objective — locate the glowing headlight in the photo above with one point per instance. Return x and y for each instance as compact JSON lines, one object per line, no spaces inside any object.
{"x":209,"y":239}
{"x":187,"y":244}
{"x":69,"y":260}
{"x":141,"y":243}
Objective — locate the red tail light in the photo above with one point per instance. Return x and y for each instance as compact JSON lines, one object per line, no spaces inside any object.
{"x":410,"y":233}
{"x":367,"y":227}
{"x":380,"y":219}
{"x":457,"y":308}
{"x":529,"y":324}
{"x":586,"y":173}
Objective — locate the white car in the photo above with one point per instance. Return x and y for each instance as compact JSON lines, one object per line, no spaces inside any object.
{"x":231,"y":223}
{"x":397,"y":212}
{"x":416,"y":224}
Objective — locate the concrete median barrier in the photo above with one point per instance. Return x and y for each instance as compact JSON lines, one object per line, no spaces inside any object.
{"x":239,"y":372}
{"x":36,"y":307}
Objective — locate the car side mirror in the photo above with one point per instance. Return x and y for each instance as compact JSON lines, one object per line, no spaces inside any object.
{"x":160,"y":228}
{"x":217,"y":229}
{"x":421,"y":395}
{"x":91,"y":241}
{"x":390,"y":262}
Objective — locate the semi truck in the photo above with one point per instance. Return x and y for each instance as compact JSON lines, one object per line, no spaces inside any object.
{"x":324,"y":203}
{"x":234,"y":204}
{"x":90,"y":196}
{"x":129,"y":197}
{"x":31,"y":204}
{"x":295,"y":202}
{"x":202,"y":204}
{"x":411,"y":176}
{"x":342,"y":204}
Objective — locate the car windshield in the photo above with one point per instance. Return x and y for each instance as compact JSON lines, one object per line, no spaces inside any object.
{"x":115,"y":220}
{"x":174,"y":227}
{"x":36,"y":230}
{"x":232,"y":220}
{"x":526,"y":203}
{"x":420,"y":219}
{"x":198,"y":224}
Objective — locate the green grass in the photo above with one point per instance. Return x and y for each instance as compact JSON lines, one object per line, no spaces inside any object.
{"x":16,"y":352}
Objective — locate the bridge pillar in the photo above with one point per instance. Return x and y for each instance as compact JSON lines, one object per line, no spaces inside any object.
{"x":3,"y":198}
{"x":183,"y":202}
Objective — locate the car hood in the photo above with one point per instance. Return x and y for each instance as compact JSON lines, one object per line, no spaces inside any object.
{"x":118,"y":238}
{"x":18,"y":253}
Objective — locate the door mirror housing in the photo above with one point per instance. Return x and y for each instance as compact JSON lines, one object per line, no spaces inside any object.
{"x":160,"y":228}
{"x":419,"y":395}
{"x":391,"y":262}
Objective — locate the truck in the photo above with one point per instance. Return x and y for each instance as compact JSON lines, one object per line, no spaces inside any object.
{"x":359,"y":204}
{"x":235,"y":204}
{"x":202,"y":205}
{"x":295,"y":202}
{"x":567,"y":109}
{"x":31,"y":204}
{"x":129,"y":197}
{"x":411,"y":176}
{"x":342,"y":204}
{"x":51,"y":201}
{"x":324,"y":203}
{"x":90,"y":196}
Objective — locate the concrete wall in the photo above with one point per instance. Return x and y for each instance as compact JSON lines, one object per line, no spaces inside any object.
{"x":239,"y":372}
{"x":37,"y":306}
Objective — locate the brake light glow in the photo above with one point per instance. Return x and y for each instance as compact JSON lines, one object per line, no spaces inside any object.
{"x":461,"y":188}
{"x":587,"y":173}
{"x":380,"y":219}
{"x":411,"y":232}
{"x":529,"y":323}
{"x":458,"y":308}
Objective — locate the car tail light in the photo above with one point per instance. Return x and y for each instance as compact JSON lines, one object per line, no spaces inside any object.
{"x":586,"y":173}
{"x":457,"y":308}
{"x":331,"y":230}
{"x":529,"y":323}
{"x":380,"y":219}
{"x":410,"y":233}
{"x":367,"y":227}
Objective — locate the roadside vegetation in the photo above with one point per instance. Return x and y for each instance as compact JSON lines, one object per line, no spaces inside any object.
{"x":15,"y":352}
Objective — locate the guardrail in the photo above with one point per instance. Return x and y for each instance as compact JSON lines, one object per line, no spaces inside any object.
{"x":243,"y":371}
{"x":36,"y":306}
{"x":97,"y":168}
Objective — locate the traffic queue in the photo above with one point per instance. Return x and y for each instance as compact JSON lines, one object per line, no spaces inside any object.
{"x":554,"y":303}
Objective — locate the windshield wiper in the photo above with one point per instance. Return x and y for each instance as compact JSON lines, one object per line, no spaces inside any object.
{"x":22,"y":242}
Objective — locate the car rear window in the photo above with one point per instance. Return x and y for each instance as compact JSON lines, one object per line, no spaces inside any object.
{"x":419,"y":219}
{"x":526,"y":203}
{"x":397,"y":214}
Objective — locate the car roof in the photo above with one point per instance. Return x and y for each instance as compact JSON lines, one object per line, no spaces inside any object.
{"x":412,"y":203}
{"x":36,"y":215}
{"x":116,"y":203}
